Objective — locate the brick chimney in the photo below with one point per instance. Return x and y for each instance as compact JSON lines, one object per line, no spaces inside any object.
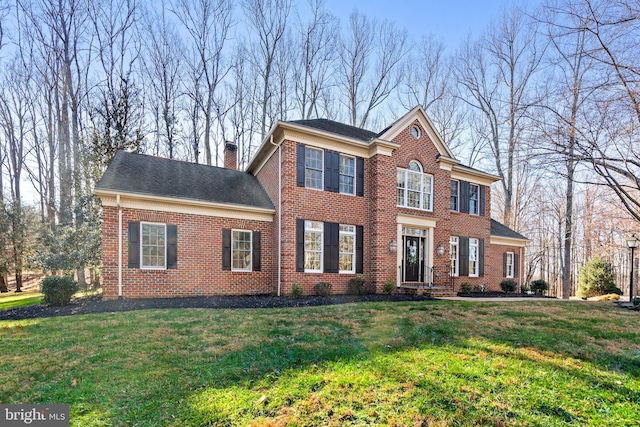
{"x":230,"y":155}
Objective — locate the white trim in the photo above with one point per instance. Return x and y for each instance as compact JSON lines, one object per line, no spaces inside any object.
{"x":415,"y":221}
{"x":477,"y":199}
{"x":142,"y":266}
{"x":476,"y":272}
{"x":186,"y":206}
{"x":508,"y":241}
{"x":355,"y":173}
{"x":473,"y":176}
{"x":510,"y":274}
{"x":250,"y":250}
{"x":321,"y":231}
{"x":457,"y":197}
{"x":456,"y":243}
{"x":353,"y":253}
{"x":322,"y":171}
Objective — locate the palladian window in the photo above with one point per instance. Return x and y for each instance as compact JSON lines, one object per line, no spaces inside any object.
{"x":414,"y":189}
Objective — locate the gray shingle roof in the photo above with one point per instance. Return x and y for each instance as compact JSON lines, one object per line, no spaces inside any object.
{"x":501,"y":230}
{"x":337,"y":128}
{"x":155,"y":176}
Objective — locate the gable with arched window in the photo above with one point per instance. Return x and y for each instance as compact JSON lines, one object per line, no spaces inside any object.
{"x":414,"y":188}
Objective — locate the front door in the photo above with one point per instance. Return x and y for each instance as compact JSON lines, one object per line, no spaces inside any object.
{"x":412,"y":258}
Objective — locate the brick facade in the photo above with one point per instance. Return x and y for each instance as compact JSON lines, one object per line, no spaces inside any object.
{"x":199,"y":260}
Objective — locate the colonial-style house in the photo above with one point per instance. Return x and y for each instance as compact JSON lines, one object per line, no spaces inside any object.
{"x":320,"y":201}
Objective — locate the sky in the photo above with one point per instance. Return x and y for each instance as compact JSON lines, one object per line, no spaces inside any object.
{"x":451,"y":20}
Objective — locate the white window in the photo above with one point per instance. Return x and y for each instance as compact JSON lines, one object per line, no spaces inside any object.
{"x":455,"y":196}
{"x":414,"y":189}
{"x":510,"y":265}
{"x":153,"y":246}
{"x":453,"y":255}
{"x":241,"y":250}
{"x":474,"y":192}
{"x":313,"y":167}
{"x":347,"y":244}
{"x":313,"y":242}
{"x":473,"y":258}
{"x":347,"y":175}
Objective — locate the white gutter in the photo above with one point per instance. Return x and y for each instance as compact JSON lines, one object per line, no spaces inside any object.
{"x":119,"y":246}
{"x":279,"y":213}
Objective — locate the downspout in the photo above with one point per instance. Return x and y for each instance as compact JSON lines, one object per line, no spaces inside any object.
{"x":279,"y":214}
{"x":119,"y":246}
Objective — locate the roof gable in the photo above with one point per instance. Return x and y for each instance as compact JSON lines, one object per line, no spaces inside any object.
{"x":417,"y":114}
{"x":154,"y":176}
{"x":501,"y":230}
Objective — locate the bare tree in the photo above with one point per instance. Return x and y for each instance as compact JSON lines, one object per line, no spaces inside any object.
{"x":316,"y":55}
{"x":162,"y":65}
{"x":370,"y":65}
{"x":495,"y":75}
{"x":427,"y":82}
{"x":116,"y":107}
{"x":207,"y":22}
{"x":268,"y":21}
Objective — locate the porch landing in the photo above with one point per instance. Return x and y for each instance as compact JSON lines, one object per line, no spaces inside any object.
{"x":426,"y":289}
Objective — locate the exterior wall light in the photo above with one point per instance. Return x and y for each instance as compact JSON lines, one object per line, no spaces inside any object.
{"x":440,"y":250}
{"x":393,"y":247}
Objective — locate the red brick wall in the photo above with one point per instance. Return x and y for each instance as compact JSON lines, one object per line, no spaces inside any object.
{"x":199,"y":271}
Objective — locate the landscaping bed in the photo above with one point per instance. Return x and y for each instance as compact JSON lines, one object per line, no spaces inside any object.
{"x":96,"y":305}
{"x":497,"y":294}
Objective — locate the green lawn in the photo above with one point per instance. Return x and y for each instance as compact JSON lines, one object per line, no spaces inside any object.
{"x":430,"y":363}
{"x":21,"y":299}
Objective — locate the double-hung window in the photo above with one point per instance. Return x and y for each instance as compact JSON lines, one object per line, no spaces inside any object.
{"x":241,"y":250}
{"x":313,"y":168}
{"x":510,"y":265}
{"x":453,"y":255}
{"x":347,"y":248}
{"x":455,"y":196}
{"x":474,"y":265}
{"x":347,"y":175}
{"x":153,"y":246}
{"x":414,"y":189}
{"x":313,"y":242}
{"x":474,"y":192}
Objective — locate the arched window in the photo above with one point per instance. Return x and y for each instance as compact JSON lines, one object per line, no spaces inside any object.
{"x":414,"y":188}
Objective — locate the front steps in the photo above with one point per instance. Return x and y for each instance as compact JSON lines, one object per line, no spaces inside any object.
{"x":427,"y":290}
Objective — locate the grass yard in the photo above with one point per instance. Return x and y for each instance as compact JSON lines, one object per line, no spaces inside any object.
{"x":22,"y":299}
{"x":435,"y":363}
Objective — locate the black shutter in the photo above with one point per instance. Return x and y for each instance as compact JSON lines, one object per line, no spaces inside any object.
{"x":516,"y":266}
{"x":359,"y":247}
{"x":299,"y":244}
{"x":504,"y":264}
{"x":226,"y":249}
{"x":134,"y":244}
{"x":481,"y":199}
{"x":464,"y":256}
{"x":172,"y":246}
{"x":465,"y":193}
{"x":331,"y":247}
{"x":300,"y":165}
{"x":481,"y":257}
{"x":331,"y":171}
{"x":359,"y":176}
{"x":257,"y":251}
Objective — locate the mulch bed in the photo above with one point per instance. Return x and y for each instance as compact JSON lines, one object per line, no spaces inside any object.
{"x":494,"y":294}
{"x":96,"y":305}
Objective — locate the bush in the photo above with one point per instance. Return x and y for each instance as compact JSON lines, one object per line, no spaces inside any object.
{"x":296,"y":291}
{"x":635,"y":301}
{"x":524,"y":289}
{"x":357,"y":286}
{"x":322,"y":289}
{"x":508,"y":286}
{"x":539,"y":286}
{"x":465,"y":287}
{"x":478,"y":288}
{"x":389,"y":287}
{"x":596,"y":278}
{"x":58,"y":290}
